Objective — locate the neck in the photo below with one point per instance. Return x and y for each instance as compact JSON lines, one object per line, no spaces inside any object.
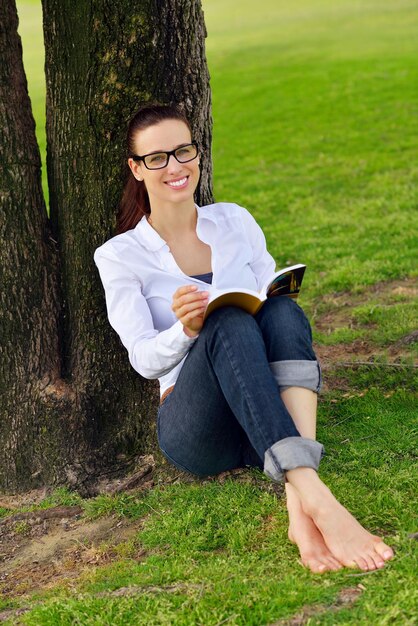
{"x":170,"y":221}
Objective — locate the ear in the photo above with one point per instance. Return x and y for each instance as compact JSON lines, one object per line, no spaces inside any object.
{"x":135,"y":169}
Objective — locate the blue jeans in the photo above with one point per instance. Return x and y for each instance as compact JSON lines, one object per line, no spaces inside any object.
{"x":225,"y":410}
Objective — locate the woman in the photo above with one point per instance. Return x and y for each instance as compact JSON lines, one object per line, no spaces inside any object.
{"x":236,"y":390}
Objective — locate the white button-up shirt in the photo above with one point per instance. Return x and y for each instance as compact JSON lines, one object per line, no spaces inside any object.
{"x":140,"y":275}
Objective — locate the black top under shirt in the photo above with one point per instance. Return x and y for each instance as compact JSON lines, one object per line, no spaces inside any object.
{"x":206,"y":278}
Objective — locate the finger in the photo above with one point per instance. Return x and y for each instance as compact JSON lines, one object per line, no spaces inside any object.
{"x":192,"y":318}
{"x":193,"y":308}
{"x":190,"y":298}
{"x":181,"y":291}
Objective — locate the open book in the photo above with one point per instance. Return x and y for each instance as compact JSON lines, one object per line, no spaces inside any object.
{"x":286,"y":282}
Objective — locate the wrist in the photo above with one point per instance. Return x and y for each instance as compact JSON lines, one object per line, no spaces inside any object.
{"x":190,"y":333}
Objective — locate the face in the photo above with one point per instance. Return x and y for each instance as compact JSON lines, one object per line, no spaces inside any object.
{"x":177,"y":181}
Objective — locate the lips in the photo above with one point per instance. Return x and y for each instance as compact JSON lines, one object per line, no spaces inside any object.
{"x":178,"y":183}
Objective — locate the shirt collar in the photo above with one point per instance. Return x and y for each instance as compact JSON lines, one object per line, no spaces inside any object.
{"x":206,"y":213}
{"x":152,"y":240}
{"x":148,"y":236}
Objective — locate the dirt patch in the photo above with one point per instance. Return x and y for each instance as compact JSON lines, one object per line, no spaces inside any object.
{"x":337,"y":308}
{"x":9,"y":613}
{"x":38,"y":553}
{"x":27,"y":499}
{"x":389,"y":292}
{"x":338,"y":313}
{"x":345,"y":598}
{"x":358,"y":350}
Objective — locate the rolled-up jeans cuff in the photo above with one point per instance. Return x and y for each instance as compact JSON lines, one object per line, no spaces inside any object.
{"x":290,"y":453}
{"x":294,"y":373}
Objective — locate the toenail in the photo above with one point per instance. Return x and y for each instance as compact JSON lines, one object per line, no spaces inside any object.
{"x":387,"y":554}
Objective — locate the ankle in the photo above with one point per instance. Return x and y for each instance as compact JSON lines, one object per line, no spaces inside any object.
{"x":314,"y":496}
{"x":302,"y":479}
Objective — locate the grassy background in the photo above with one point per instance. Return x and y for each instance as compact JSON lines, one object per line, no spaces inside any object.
{"x":30,"y":30}
{"x":316,"y":130}
{"x":315,"y":106}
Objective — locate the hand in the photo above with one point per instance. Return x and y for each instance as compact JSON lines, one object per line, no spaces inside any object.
{"x":189,"y":306}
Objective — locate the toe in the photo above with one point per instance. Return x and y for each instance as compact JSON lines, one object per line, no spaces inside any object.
{"x":383,"y":550}
{"x":371,"y":565}
{"x":361,"y":563}
{"x":334,"y":564}
{"x":378,"y":562}
{"x":317,"y":567}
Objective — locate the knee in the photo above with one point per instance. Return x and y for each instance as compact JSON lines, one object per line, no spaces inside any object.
{"x":286,"y":331}
{"x":228,"y":327}
{"x":228,"y":317}
{"x":285,"y":316}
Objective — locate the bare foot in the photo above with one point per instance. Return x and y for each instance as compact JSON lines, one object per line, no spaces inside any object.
{"x":314,"y":553}
{"x":347,"y":540}
{"x":352,"y":544}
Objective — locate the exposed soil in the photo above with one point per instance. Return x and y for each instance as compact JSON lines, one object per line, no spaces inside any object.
{"x":359,"y":350}
{"x":39,"y":549}
{"x":339,"y":305}
{"x":39,"y":553}
{"x":345,"y":598}
{"x":338,"y":313}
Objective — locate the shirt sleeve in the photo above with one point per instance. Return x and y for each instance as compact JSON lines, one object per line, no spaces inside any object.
{"x":263,"y":264}
{"x":151,"y":353}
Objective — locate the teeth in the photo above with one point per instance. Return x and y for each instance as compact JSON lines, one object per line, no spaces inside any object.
{"x":177,"y":183}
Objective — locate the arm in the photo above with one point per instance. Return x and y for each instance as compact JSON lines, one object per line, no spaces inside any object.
{"x":263,"y":264}
{"x":151,"y":353}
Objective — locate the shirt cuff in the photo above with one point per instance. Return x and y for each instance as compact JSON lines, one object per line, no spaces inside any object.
{"x":179,"y":338}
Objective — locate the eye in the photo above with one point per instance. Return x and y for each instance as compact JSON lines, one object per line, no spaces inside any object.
{"x":184,"y":150}
{"x":156,"y":158}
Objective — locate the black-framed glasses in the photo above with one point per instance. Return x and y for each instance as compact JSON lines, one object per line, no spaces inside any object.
{"x":158,"y":160}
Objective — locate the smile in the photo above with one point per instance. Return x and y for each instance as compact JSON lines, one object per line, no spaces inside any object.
{"x":176,"y":184}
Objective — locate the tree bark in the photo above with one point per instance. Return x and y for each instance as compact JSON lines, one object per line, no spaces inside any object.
{"x":29,"y":347}
{"x":72,"y":403}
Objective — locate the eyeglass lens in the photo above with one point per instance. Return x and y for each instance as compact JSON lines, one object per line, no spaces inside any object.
{"x":160,"y":159}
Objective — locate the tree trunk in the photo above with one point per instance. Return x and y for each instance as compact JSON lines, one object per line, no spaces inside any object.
{"x":29,"y":347}
{"x":71,"y":403}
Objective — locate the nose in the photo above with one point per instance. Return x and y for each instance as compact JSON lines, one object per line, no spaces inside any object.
{"x":173,"y":165}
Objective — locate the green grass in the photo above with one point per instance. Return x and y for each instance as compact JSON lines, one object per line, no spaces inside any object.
{"x":315,"y":131}
{"x":381,"y":324}
{"x":219,"y":551}
{"x":30,"y":30}
{"x":213,"y":552}
{"x":315,"y":106}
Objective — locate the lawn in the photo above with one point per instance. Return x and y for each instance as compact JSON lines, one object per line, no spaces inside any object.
{"x":315,"y":107}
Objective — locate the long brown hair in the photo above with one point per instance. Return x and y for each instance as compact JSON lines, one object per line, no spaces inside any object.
{"x":134,"y":203}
